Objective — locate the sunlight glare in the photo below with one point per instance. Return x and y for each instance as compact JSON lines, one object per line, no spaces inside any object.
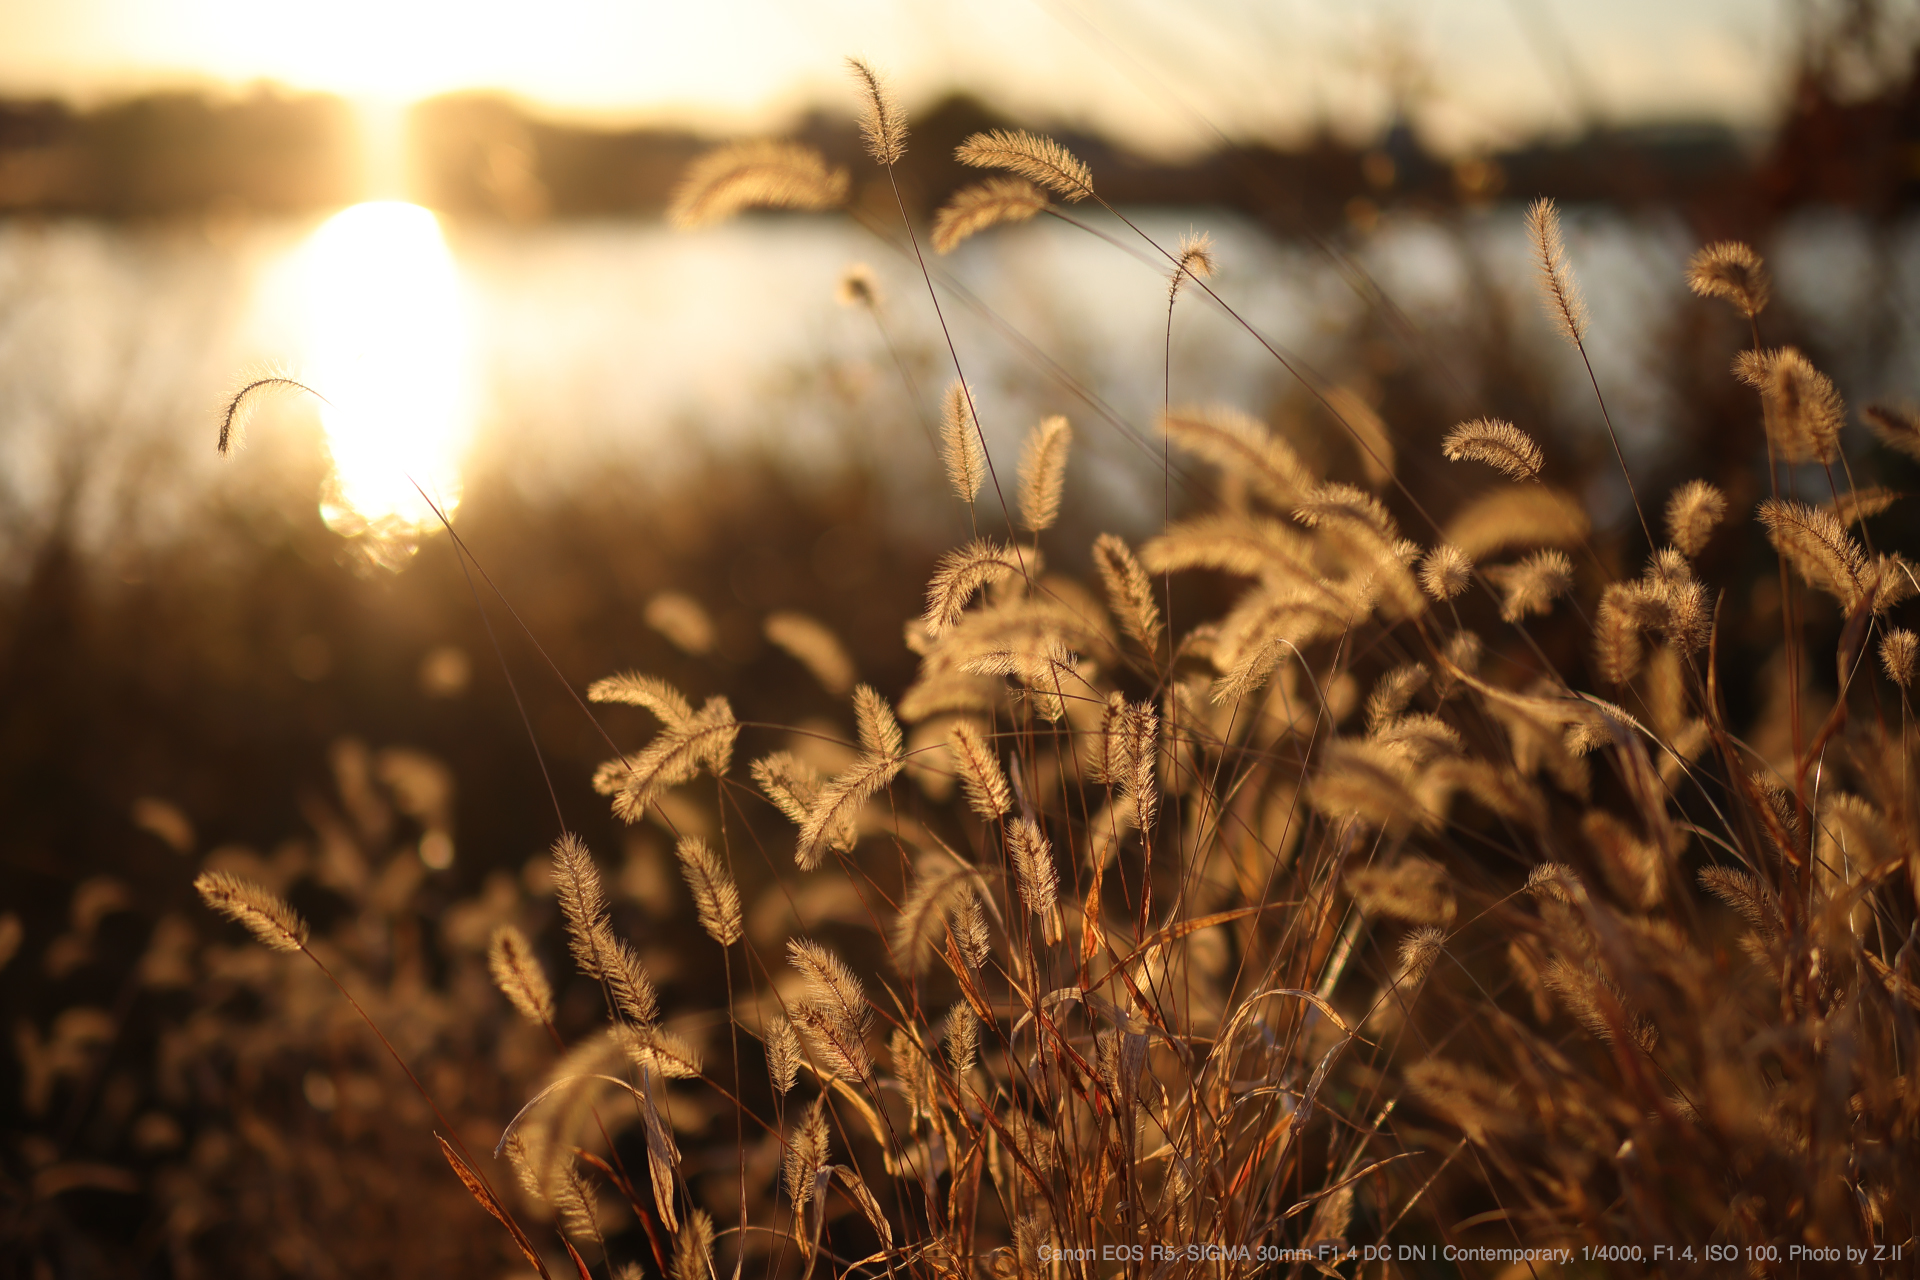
{"x":387,"y":347}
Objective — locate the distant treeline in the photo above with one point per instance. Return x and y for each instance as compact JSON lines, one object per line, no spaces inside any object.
{"x":480,"y":156}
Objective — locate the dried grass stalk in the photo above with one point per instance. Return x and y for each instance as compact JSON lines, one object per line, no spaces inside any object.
{"x":517,"y":972}
{"x":973,"y":209}
{"x":715,"y":898}
{"x":1897,"y":651}
{"x":1733,"y":271}
{"x":835,"y":1014}
{"x":1897,"y":428}
{"x":1532,"y":585}
{"x":1693,"y":511}
{"x":1241,"y":446}
{"x":265,"y":914}
{"x":1033,"y":156}
{"x":1129,"y":592}
{"x":1031,"y":854}
{"x":583,"y":903}
{"x":742,"y":175}
{"x":783,"y":1054}
{"x":883,"y":125}
{"x":986,"y":785}
{"x":1558,"y":288}
{"x":693,"y":1248}
{"x":815,"y":646}
{"x":1815,"y":544}
{"x":961,"y":573}
{"x":1193,"y":260}
{"x":1501,"y":445}
{"x":1445,"y":572}
{"x":960,"y":449}
{"x":1043,"y":473}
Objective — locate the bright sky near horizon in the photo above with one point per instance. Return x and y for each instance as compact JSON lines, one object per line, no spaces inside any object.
{"x":1155,"y":71}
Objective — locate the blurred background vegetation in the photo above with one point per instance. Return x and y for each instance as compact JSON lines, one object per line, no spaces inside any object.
{"x":195,"y":670}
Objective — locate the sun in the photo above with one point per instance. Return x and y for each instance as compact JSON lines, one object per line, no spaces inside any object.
{"x":387,"y":345}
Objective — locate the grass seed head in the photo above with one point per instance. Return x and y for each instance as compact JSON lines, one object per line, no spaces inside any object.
{"x":1043,"y":473}
{"x":1033,"y":156}
{"x":517,"y":972}
{"x":1897,"y":651}
{"x":1558,"y":287}
{"x":1501,"y":445}
{"x":1445,"y":572}
{"x":973,"y":209}
{"x":883,"y":124}
{"x":744,"y":175}
{"x":265,"y":914}
{"x":1731,"y":270}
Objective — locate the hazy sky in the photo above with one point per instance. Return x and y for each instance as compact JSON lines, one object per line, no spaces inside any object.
{"x":1160,"y":71}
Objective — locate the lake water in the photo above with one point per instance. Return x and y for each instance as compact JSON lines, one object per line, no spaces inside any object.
{"x":629,"y":344}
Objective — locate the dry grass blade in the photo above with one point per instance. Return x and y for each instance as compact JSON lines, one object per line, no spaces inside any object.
{"x":517,"y":972}
{"x":1558,"y":288}
{"x":1034,"y":157}
{"x":742,"y":175}
{"x":1501,"y":445}
{"x":883,"y":125}
{"x":265,"y":914}
{"x":973,"y":209}
{"x":1731,"y":270}
{"x":1043,"y":473}
{"x":863,"y":1198}
{"x":491,"y":1203}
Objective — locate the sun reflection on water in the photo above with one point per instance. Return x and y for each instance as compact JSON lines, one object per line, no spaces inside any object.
{"x":387,"y":346}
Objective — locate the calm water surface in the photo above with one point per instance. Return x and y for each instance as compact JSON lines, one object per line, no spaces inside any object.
{"x":631,"y":344}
